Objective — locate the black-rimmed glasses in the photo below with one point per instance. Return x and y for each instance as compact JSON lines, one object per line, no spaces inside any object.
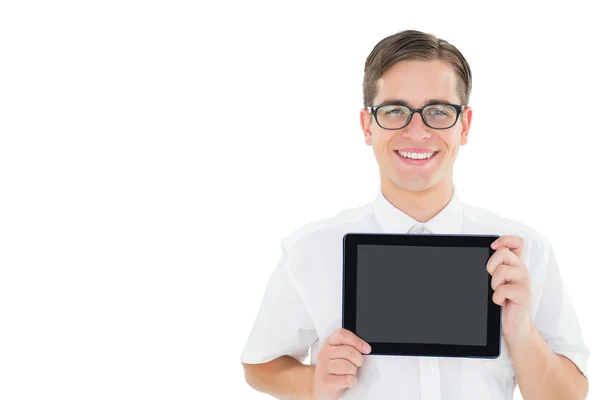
{"x":435,"y":116}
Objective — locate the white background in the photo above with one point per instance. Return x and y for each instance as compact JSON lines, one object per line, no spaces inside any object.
{"x":153,"y":154}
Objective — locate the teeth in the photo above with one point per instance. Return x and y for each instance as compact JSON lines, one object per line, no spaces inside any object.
{"x":415,"y":156}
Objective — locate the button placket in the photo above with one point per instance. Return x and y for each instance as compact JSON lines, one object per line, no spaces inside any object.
{"x":430,"y":378}
{"x":429,"y":367}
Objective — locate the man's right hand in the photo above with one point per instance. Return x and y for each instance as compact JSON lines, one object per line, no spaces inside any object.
{"x":337,"y":364}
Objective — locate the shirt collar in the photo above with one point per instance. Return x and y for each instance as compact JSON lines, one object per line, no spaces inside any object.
{"x":394,"y":220}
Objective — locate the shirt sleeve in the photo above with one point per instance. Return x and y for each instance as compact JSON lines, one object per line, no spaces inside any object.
{"x":283,"y":325}
{"x":556,"y":319}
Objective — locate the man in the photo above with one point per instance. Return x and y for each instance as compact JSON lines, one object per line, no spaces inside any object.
{"x":416,"y":116}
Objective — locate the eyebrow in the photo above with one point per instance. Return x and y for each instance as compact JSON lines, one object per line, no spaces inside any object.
{"x":405,"y":103}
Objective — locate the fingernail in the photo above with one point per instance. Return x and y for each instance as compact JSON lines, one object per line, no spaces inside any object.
{"x":367,"y":348}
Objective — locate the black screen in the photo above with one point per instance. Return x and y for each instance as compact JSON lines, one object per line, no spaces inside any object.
{"x":422,"y":294}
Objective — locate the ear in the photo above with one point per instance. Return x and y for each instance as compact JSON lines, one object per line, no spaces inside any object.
{"x":365,"y":123}
{"x":465,"y":121}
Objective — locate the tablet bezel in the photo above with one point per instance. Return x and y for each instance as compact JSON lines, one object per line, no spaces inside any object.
{"x":349,"y":282}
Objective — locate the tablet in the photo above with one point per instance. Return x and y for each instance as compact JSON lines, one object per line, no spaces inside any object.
{"x":421,"y":295}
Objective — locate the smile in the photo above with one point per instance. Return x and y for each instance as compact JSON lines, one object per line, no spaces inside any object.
{"x":415,"y":158}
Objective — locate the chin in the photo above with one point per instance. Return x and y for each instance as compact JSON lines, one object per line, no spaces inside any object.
{"x":414,"y":186}
{"x":418,"y":187}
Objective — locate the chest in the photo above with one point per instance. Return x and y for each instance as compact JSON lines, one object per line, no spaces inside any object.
{"x":413,"y":377}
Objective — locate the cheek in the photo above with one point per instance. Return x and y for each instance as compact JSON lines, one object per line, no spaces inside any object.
{"x":380,"y":142}
{"x":453,"y":143}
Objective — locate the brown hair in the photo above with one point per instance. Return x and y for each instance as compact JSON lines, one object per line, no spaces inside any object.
{"x":414,"y":45}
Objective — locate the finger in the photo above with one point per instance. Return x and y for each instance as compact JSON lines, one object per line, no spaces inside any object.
{"x":346,"y":352}
{"x":344,"y":336}
{"x":508,"y":274}
{"x":514,"y":243}
{"x":502,"y":256}
{"x":517,"y":293}
{"x":340,"y":366}
{"x":338,"y":382}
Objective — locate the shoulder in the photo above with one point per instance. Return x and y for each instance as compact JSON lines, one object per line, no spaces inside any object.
{"x":314,"y":250}
{"x":325,"y":230}
{"x":492,"y":222}
{"x":485,"y":221}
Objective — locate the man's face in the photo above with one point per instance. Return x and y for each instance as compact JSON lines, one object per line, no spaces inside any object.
{"x":416,"y":83}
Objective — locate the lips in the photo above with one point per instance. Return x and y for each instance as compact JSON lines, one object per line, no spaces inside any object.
{"x":420,"y":162}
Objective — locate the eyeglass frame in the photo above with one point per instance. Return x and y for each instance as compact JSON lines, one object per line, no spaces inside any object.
{"x":458,"y":107}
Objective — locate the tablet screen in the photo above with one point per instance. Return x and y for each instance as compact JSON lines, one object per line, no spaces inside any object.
{"x":422,"y":294}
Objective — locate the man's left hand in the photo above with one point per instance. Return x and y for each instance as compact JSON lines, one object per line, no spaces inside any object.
{"x":512,"y":285}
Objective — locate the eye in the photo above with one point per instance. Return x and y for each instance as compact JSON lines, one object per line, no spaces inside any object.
{"x":394,"y":111}
{"x":438,"y":111}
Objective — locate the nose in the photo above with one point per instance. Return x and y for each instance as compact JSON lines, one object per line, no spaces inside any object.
{"x":416,"y":128}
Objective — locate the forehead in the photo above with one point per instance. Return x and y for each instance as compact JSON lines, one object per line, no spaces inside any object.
{"x":418,"y":81}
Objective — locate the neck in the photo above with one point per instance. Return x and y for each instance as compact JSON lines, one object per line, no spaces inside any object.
{"x":419,"y":205}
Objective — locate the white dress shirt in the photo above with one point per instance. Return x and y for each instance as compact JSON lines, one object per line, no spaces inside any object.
{"x":302,"y":306}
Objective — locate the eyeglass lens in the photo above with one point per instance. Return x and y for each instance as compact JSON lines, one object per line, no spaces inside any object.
{"x":436,"y":115}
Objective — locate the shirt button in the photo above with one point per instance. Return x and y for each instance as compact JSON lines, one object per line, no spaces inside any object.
{"x":430,"y":368}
